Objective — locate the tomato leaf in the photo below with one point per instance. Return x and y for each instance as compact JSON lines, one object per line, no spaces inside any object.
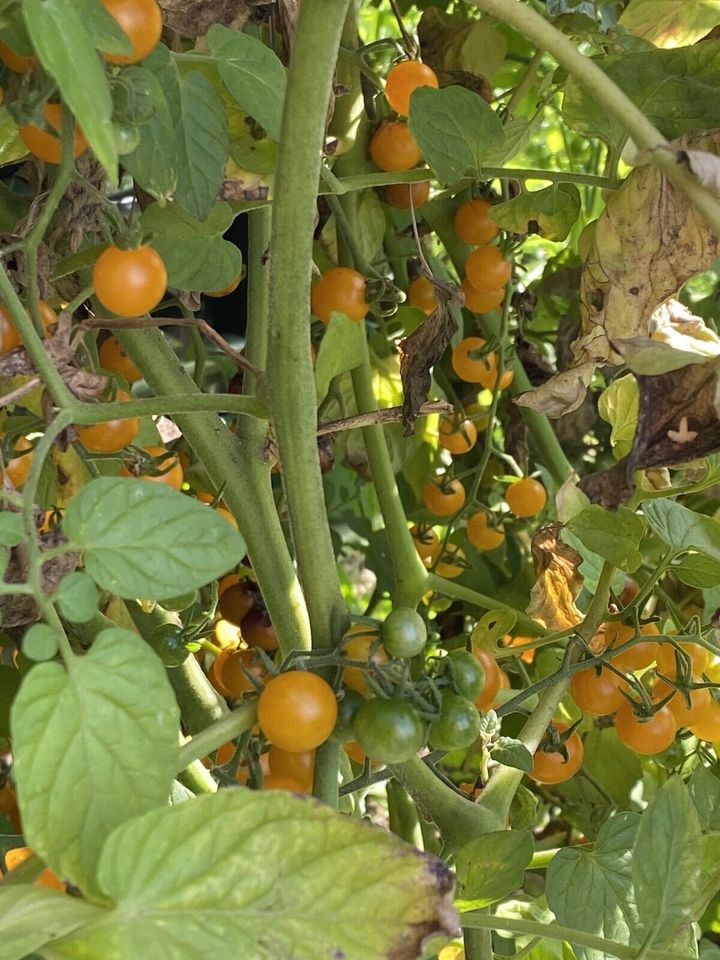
{"x":592,"y":890}
{"x":279,"y":876}
{"x":106,"y":32}
{"x":704,"y":789}
{"x":683,"y":529}
{"x":67,"y":51}
{"x":551,"y":213}
{"x":34,"y":917}
{"x":253,"y":75}
{"x":341,"y":349}
{"x":94,"y":745}
{"x":698,"y":570}
{"x":12,"y":530}
{"x":613,"y":536}
{"x":77,"y":597}
{"x":492,"y":866}
{"x":153,"y":163}
{"x":454,"y":128}
{"x":512,"y":753}
{"x":619,"y":405}
{"x":9,"y":685}
{"x":676,"y":23}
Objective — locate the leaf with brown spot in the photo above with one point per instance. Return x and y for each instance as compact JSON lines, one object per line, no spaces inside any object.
{"x":558,"y":580}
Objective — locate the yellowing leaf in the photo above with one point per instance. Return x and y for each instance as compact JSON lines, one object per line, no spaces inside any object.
{"x":671,"y":23}
{"x":558,"y":583}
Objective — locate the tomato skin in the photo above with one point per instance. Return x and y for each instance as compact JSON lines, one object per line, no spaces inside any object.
{"x":421,"y":294}
{"x":113,"y":357}
{"x":427,"y":543}
{"x":257,"y":630}
{"x":552,"y":767}
{"x":391,"y":731}
{"x":709,"y":727}
{"x":493,"y":679}
{"x":473,"y":223}
{"x":404,"y":633}
{"x":18,"y":855}
{"x":457,"y":726}
{"x":398,"y":195}
{"x":168,"y":642}
{"x":297,"y":710}
{"x":235,"y":598}
{"x":141,"y":20}
{"x":468,"y":675}
{"x":526,"y":498}
{"x":47,"y":146}
{"x":701,"y":703}
{"x":630,"y":590}
{"x":481,"y":535}
{"x":393,"y":147}
{"x":17,"y":468}
{"x":666,"y":658}
{"x":340,"y":289}
{"x":636,"y":657}
{"x":173,"y":477}
{"x":293,"y":766}
{"x":451,"y":563}
{"x":443,"y":502}
{"x":403,"y":79}
{"x":357,"y":645}
{"x":645,"y":737}
{"x":487,"y":269}
{"x":597,"y":695}
{"x":482,"y":301}
{"x":9,"y":334}
{"x":527,"y":656}
{"x":233,"y":672}
{"x":226,"y":291}
{"x":482,"y":369}
{"x":16,"y":61}
{"x":129,"y":282}
{"x":112,"y":436}
{"x":457,"y":435}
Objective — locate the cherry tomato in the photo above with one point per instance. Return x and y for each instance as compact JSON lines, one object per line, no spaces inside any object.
{"x":297,"y":710}
{"x":353,"y":750}
{"x":226,"y":291}
{"x":457,"y":434}
{"x":236,"y":598}
{"x":225,"y":753}
{"x":480,"y":369}
{"x":421,"y":294}
{"x":295,"y":766}
{"x":629,"y":591}
{"x":342,"y":290}
{"x":444,"y":499}
{"x":391,"y":731}
{"x":393,"y":147}
{"x":427,"y":543}
{"x":473,"y":223}
{"x":487,"y":269}
{"x":709,"y":727}
{"x":452,"y":562}
{"x":667,"y":663}
{"x":227,"y":635}
{"x":226,"y":515}
{"x":550,"y":766}
{"x":115,"y":358}
{"x":636,"y":657}
{"x":18,"y":855}
{"x":214,"y":673}
{"x":404,"y":633}
{"x":141,"y":20}
{"x":9,"y":334}
{"x":362,"y":643}
{"x":457,"y":726}
{"x":399,"y":195}
{"x":15,"y":61}
{"x":165,"y":460}
{"x":272,"y":782}
{"x":468,"y":675}
{"x":526,"y":498}
{"x":701,"y":702}
{"x":348,"y":706}
{"x":17,"y":468}
{"x":403,"y":79}
{"x":129,"y":282}
{"x":481,"y":535}
{"x":527,"y":656}
{"x":257,"y":630}
{"x":482,"y":301}
{"x":9,"y":807}
{"x":597,"y":695}
{"x":47,"y":146}
{"x":237,"y":670}
{"x":492,"y":678}
{"x":169,"y":643}
{"x":112,"y":436}
{"x":646,"y":736}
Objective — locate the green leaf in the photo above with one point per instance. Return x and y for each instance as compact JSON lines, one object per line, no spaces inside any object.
{"x":493,"y":865}
{"x":195,"y":254}
{"x":697,"y":570}
{"x":67,"y":51}
{"x":12,"y":530}
{"x":12,"y":148}
{"x":94,"y":745}
{"x":592,"y":890}
{"x":613,"y":536}
{"x":665,"y":860}
{"x":619,"y":405}
{"x":518,"y":132}
{"x":650,"y":357}
{"x":512,"y":753}
{"x":341,"y":349}
{"x":252,"y":154}
{"x":34,"y":916}
{"x":107,"y":34}
{"x":252,"y":73}
{"x":551,"y":212}
{"x":143,"y":539}
{"x":77,"y":597}
{"x":671,"y":23}
{"x":40,"y":643}
{"x":704,"y":790}
{"x":683,"y":529}
{"x":153,"y":163}
{"x":277,"y":875}
{"x":675,"y":89}
{"x":454,"y":129}
{"x":10,"y":679}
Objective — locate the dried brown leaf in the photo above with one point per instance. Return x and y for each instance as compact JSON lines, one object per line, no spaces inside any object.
{"x":17,"y":609}
{"x":561,"y":394}
{"x":193,"y":18}
{"x":558,"y":580}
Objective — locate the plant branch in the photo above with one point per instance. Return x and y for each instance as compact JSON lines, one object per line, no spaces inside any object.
{"x":227,"y":728}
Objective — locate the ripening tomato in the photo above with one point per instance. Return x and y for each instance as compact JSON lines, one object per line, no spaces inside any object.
{"x":45,"y":145}
{"x":629,"y":591}
{"x":18,"y":855}
{"x":645,"y":735}
{"x":17,"y":468}
{"x":226,"y":291}
{"x":456,"y":434}
{"x":342,"y":290}
{"x":598,"y":695}
{"x":527,"y":656}
{"x":667,"y":663}
{"x":466,"y":672}
{"x":478,"y":369}
{"x":362,"y":642}
{"x":452,"y":562}
{"x":492,"y":678}
{"x":700,"y":703}
{"x":9,"y":807}
{"x":550,"y":766}
{"x":404,"y":633}
{"x":297,"y":710}
{"x":427,"y":543}
{"x":272,"y":782}
{"x":172,"y":472}
{"x":640,"y":654}
{"x":225,"y":753}
{"x":236,"y":598}
{"x":403,"y":79}
{"x":487,"y":269}
{"x":708,"y":728}
{"x":112,"y":436}
{"x":226,"y":634}
{"x":115,"y":358}
{"x":15,"y":61}
{"x":237,"y":671}
{"x":257,"y":630}
{"x":408,"y":196}
{"x":445,"y":498}
{"x":526,"y":498}
{"x":129,"y":282}
{"x":481,"y":535}
{"x":141,"y":20}
{"x":393,"y":147}
{"x":214,"y":673}
{"x":295,"y":766}
{"x":9,"y":334}
{"x":421,"y":294}
{"x":473,"y":223}
{"x":482,"y":301}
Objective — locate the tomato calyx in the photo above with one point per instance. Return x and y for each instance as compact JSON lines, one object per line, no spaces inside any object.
{"x":556,"y":739}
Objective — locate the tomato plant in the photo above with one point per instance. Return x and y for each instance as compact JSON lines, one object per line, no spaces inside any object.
{"x":526,"y":498}
{"x":408,"y":196}
{"x":481,"y":534}
{"x":473,"y":223}
{"x":46,"y":145}
{"x":112,"y":357}
{"x":646,"y":735}
{"x":422,"y":295}
{"x":444,"y":499}
{"x":404,"y":633}
{"x":556,"y":762}
{"x":129,"y":282}
{"x":598,"y":694}
{"x":487,"y":269}
{"x":457,"y":725}
{"x":297,"y":710}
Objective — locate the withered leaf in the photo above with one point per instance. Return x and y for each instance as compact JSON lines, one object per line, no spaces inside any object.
{"x":558,"y":580}
{"x":193,"y":18}
{"x":17,"y":609}
{"x":562,"y":394}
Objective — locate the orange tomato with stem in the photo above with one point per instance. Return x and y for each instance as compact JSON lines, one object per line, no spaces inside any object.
{"x":526,"y":498}
{"x":408,"y":196}
{"x":493,"y":678}
{"x":645,"y":735}
{"x":9,"y":334}
{"x":482,"y":535}
{"x":393,"y":147}
{"x":17,"y":468}
{"x":550,"y":766}
{"x":473,"y":223}
{"x":129,"y":282}
{"x":46,"y":145}
{"x":487,"y":269}
{"x":427,"y":543}
{"x":597,"y":694}
{"x":141,"y":20}
{"x":115,"y":358}
{"x":15,"y":61}
{"x":457,"y":434}
{"x":445,"y":498}
{"x":111,"y":436}
{"x":297,"y":710}
{"x":340,"y":289}
{"x":362,"y":643}
{"x":452,"y":562}
{"x":404,"y":79}
{"x":156,"y":458}
{"x":421,"y":294}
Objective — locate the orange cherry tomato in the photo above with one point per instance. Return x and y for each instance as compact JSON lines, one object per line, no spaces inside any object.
{"x":225,"y":753}
{"x":427,"y":543}
{"x":493,"y":679}
{"x":480,"y":369}
{"x":284,"y":783}
{"x":18,"y":855}
{"x":226,"y":291}
{"x":227,"y":634}
{"x":295,"y":766}
{"x":215,"y":672}
{"x":645,"y":736}
{"x":629,"y":591}
{"x":482,"y":301}
{"x":9,"y":334}
{"x":257,"y":630}
{"x":526,"y":498}
{"x":115,"y":358}
{"x":129,"y":282}
{"x":457,"y":434}
{"x":393,"y":147}
{"x":297,"y":710}
{"x":18,"y":468}
{"x":667,"y":663}
{"x":112,"y":436}
{"x":597,"y":695}
{"x":141,"y":20}
{"x":452,"y":562}
{"x":358,"y":643}
{"x":550,"y":766}
{"x":473,"y":223}
{"x":170,"y":464}
{"x":226,"y":515}
{"x":481,"y":535}
{"x":45,"y":145}
{"x":340,"y":289}
{"x":403,"y":79}
{"x":400,"y":195}
{"x":421,"y":294}
{"x":235,"y":598}
{"x":527,"y":656}
{"x":701,"y":702}
{"x":636,"y":657}
{"x":15,"y":61}
{"x":236,"y":670}
{"x":487,"y":269}
{"x":709,"y":727}
{"x":444,"y":499}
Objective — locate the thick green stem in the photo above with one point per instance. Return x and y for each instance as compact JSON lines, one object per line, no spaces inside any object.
{"x":452,"y":589}
{"x":86,"y":413}
{"x":221,"y":731}
{"x":258,"y":297}
{"x":403,"y":818}
{"x":291,"y":381}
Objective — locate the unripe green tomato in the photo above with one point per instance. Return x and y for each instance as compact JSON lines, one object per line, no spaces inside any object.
{"x":390,"y":730}
{"x":404,"y":633}
{"x":457,"y":726}
{"x":348,"y":707}
{"x":181,"y":602}
{"x":127,"y":137}
{"x":168,"y":642}
{"x":467,"y":674}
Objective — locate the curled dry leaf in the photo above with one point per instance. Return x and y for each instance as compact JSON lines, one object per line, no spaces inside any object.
{"x":562,"y":394}
{"x":193,"y":18}
{"x":705,"y":166}
{"x":558,"y":580}
{"x":677,"y":339}
{"x":17,"y":609}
